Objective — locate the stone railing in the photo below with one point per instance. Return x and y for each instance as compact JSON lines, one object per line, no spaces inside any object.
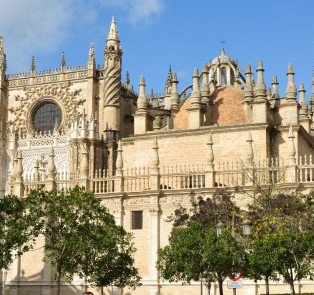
{"x":183,"y":176}
{"x":305,"y":169}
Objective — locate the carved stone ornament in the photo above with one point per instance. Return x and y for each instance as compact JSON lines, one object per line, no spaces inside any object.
{"x":168,"y":218}
{"x":59,"y":93}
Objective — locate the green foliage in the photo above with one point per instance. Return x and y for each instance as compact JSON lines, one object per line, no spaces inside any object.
{"x":282,"y":239}
{"x":295,"y":256}
{"x":15,"y":231}
{"x":196,"y":252}
{"x":82,"y":237}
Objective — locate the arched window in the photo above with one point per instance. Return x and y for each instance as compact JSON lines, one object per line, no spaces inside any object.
{"x":223,"y":76}
{"x":231,"y":77}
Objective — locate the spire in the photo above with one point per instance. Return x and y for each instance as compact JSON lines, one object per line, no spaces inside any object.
{"x":33,"y":69}
{"x":174,"y":92}
{"x":91,"y":56}
{"x":142,"y":102}
{"x":113,"y":32}
{"x":304,"y":109}
{"x":291,"y":90}
{"x":275,"y":87}
{"x":248,"y":88}
{"x":168,"y":82}
{"x":260,"y":87}
{"x":205,"y":87}
{"x":127,"y":80}
{"x":196,"y":94}
{"x":63,"y":65}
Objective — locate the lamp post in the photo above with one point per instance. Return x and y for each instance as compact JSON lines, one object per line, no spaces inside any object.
{"x":246,"y":227}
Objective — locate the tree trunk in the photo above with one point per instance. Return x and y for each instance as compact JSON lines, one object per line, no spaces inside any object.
{"x":221,"y":292}
{"x":58,"y":281}
{"x":267,"y":285}
{"x":85,"y":283}
{"x":102,"y":290}
{"x":291,"y":283}
{"x":208,"y":285}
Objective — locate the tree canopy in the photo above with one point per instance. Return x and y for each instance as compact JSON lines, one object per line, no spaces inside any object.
{"x":81,"y":237}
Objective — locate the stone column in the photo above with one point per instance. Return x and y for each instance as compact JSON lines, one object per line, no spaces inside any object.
{"x":154,"y":246}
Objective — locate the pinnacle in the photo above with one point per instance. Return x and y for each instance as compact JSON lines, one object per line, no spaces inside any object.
{"x":248,"y":68}
{"x":195,"y":73}
{"x":302,"y":87}
{"x":205,"y":68}
{"x":275,"y":80}
{"x":290,"y":69}
{"x":174,"y":77}
{"x":142,"y":80}
{"x":260,"y":65}
{"x":113,"y":32}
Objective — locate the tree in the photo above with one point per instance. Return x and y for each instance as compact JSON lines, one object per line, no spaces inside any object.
{"x":15,"y":231}
{"x":196,"y":252}
{"x":280,"y":218}
{"x":75,"y":225}
{"x":107,"y":254}
{"x":182,"y":260}
{"x":295,"y":256}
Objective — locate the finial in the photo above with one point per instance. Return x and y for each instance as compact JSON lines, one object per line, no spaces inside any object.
{"x":33,"y":66}
{"x":63,"y":65}
{"x":291,"y":90}
{"x":260,"y":87}
{"x":142,"y":80}
{"x":222,"y":51}
{"x":142,"y":101}
{"x":127,"y":80}
{"x":275,"y":87}
{"x":113,"y":32}
{"x":248,"y":88}
{"x":275,"y":80}
{"x":269,"y":93}
{"x":304,"y":108}
{"x":205,"y":68}
{"x":290,"y":69}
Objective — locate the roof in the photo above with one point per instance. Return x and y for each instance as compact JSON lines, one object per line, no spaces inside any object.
{"x":228,"y":108}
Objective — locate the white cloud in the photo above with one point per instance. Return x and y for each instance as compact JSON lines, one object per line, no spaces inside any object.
{"x":137,"y":10}
{"x":32,"y":26}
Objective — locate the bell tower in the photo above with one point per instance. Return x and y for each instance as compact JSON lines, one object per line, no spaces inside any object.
{"x":112,"y":86}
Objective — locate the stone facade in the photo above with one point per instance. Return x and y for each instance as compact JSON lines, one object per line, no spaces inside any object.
{"x":148,"y":153}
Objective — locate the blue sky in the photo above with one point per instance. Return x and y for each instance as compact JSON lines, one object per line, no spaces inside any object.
{"x":157,"y":33}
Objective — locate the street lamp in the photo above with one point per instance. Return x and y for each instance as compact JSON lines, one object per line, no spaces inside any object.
{"x":247,"y":227}
{"x":219,"y":227}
